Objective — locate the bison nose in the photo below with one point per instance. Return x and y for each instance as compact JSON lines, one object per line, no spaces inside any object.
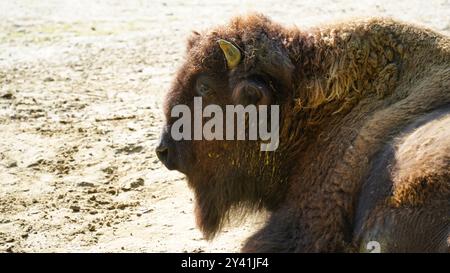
{"x":162,"y":152}
{"x":165,"y":151}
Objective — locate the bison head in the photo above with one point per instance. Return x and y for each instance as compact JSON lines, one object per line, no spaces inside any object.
{"x":243,"y":63}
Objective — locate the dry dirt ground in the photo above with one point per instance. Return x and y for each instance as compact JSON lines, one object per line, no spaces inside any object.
{"x":81,"y":85}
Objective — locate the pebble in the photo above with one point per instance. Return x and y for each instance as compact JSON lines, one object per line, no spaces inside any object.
{"x":139,"y":182}
{"x":85,"y":184}
{"x":11,"y":164}
{"x":75,"y":208}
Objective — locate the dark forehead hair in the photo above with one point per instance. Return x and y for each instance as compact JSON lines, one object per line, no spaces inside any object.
{"x":247,"y":33}
{"x":263,"y":53}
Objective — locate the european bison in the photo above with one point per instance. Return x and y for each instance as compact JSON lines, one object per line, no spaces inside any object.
{"x":364,"y":152}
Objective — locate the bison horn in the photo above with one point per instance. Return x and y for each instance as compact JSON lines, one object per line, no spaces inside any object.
{"x":231,"y":52}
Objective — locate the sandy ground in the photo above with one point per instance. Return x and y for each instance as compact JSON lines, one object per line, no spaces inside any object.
{"x":81,"y":85}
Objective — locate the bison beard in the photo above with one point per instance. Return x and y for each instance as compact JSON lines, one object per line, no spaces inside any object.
{"x":221,"y":189}
{"x":357,"y":101}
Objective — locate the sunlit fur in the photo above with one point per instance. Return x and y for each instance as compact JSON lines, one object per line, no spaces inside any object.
{"x":347,"y":92}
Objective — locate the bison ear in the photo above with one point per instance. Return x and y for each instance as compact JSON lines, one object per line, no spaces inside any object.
{"x":231,"y":52}
{"x":254,"y":92}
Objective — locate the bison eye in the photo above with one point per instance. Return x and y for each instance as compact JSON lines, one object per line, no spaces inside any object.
{"x":203,"y":89}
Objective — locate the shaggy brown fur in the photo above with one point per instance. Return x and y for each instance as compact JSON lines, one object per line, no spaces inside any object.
{"x":364,"y":135}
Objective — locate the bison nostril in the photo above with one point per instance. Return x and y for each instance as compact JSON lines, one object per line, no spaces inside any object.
{"x":162,"y":153}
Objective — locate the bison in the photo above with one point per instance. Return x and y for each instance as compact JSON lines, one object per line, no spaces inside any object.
{"x":364,"y":134}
